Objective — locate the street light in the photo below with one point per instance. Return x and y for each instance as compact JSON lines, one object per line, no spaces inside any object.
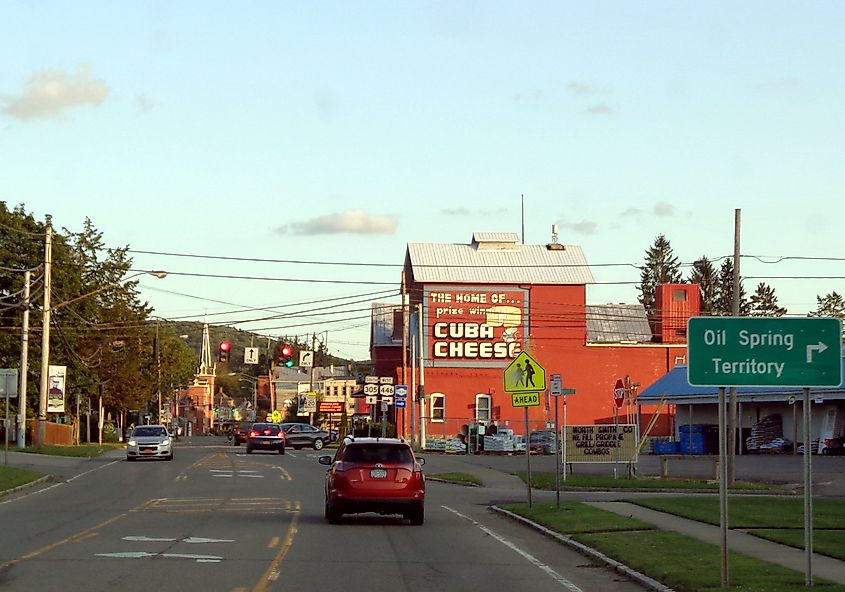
{"x":254,"y":381}
{"x":45,"y":333}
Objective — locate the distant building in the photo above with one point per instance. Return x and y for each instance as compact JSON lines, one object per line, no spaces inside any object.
{"x":476,"y":306}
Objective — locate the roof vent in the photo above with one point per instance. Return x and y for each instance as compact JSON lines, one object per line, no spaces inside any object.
{"x":554,"y":245}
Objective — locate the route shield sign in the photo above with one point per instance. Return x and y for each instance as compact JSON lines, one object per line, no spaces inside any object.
{"x":524,"y":375}
{"x":764,"y":351}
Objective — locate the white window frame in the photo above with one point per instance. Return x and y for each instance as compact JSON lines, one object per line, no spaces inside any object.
{"x":437,"y":397}
{"x":489,"y":398}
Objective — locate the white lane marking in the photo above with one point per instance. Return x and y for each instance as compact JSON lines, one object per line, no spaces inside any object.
{"x":531,"y":559}
{"x":144,"y":555}
{"x":74,"y":478}
{"x":227,"y":475}
{"x":146,"y":539}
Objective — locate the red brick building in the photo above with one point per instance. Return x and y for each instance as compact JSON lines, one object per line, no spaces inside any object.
{"x":472,"y":308}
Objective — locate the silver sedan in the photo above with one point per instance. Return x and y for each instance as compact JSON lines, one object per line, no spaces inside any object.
{"x":149,"y":441}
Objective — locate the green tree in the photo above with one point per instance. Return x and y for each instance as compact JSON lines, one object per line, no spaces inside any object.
{"x":661,"y":267}
{"x":764,"y":303}
{"x":724,"y":291}
{"x":830,"y":305}
{"x":704,"y":274}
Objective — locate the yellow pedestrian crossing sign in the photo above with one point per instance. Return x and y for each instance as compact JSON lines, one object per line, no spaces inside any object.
{"x":525,"y":375}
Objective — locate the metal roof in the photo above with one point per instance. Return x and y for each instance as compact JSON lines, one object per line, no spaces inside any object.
{"x":498,"y":258}
{"x":382,"y":324}
{"x":674,"y":388}
{"x":617,"y":323}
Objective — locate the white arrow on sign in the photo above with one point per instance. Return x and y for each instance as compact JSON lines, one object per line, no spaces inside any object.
{"x":811,"y":348}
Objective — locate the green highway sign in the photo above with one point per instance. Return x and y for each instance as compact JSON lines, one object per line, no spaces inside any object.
{"x":764,"y":351}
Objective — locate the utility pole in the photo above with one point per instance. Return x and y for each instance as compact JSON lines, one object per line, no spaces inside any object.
{"x":421,"y":391}
{"x":734,"y":406}
{"x":45,"y":335}
{"x":404,"y":343}
{"x":24,"y":363}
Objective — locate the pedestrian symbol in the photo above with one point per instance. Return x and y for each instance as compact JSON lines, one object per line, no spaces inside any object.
{"x":525,"y":375}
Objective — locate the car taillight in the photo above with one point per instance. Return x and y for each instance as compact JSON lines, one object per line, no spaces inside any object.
{"x":253,"y":434}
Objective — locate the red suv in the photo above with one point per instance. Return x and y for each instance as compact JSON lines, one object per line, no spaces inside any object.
{"x":375,"y":475}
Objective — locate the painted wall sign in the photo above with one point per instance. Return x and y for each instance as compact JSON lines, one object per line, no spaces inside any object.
{"x":482,"y":326}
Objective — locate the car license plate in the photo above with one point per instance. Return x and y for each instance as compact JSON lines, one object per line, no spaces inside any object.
{"x":378,"y":473}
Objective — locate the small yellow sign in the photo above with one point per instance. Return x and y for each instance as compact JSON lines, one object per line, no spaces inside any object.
{"x":525,"y":399}
{"x":276,"y":416}
{"x":525,"y":375}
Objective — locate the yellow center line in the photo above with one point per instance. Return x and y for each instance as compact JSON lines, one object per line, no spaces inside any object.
{"x":273,"y":572}
{"x":88,"y":532}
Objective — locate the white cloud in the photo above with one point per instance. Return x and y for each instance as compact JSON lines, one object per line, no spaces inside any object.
{"x":632,"y":212}
{"x":600,"y":109}
{"x":583,"y":227}
{"x":49,"y":93}
{"x":455,"y":212}
{"x":143,"y":104}
{"x":581,"y":89}
{"x":664,"y":209}
{"x":347,"y":222}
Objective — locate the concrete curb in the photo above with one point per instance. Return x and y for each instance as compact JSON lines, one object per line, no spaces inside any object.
{"x":642,"y":579}
{"x":25,"y":486}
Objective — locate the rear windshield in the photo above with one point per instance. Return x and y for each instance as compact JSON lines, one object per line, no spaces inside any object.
{"x":377,"y":453}
{"x":267,"y":429}
{"x":149,"y":431}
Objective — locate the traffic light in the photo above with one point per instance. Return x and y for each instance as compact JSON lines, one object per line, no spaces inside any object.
{"x":223,"y":351}
{"x":286,"y":355}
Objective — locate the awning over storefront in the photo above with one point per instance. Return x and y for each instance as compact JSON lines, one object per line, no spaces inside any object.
{"x":674,"y":389}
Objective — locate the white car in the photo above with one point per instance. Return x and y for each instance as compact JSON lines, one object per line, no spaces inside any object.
{"x":149,"y":441}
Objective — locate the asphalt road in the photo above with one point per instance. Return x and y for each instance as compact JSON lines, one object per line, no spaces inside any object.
{"x":217,"y":519}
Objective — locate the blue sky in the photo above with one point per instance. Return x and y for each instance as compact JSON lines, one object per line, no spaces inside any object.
{"x":339,"y":131}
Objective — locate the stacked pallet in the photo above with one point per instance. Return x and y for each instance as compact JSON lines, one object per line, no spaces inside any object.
{"x":765,"y":433}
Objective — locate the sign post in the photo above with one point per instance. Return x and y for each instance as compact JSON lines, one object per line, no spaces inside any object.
{"x":765,"y":351}
{"x":525,"y":379}
{"x":618,"y":398}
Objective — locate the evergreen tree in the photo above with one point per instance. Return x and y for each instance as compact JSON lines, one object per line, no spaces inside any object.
{"x":831,"y":305}
{"x":661,"y":267}
{"x":704,"y":274}
{"x":764,"y":303}
{"x":725,"y":291}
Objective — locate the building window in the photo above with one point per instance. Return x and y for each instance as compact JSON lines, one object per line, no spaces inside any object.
{"x":438,"y":407}
{"x":398,"y":323}
{"x":679,"y":295}
{"x":483,"y":408}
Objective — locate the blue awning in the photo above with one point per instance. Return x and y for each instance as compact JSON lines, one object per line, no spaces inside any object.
{"x":674,"y":388}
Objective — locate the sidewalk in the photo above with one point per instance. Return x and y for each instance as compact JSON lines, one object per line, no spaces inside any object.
{"x":823,"y":567}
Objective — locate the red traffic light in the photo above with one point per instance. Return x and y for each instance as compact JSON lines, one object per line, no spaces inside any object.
{"x":225,"y":346}
{"x":287,"y":350}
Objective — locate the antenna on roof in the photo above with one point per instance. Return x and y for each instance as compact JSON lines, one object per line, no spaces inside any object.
{"x":522,"y":204}
{"x":555,"y":230}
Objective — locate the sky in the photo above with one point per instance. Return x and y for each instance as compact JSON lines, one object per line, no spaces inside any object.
{"x":334,"y":133}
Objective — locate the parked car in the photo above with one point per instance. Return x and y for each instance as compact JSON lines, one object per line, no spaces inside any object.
{"x":542,"y":442}
{"x":832,"y":446}
{"x":374,"y":475}
{"x":240,"y":432}
{"x":302,"y":435}
{"x":149,"y":441}
{"x":265,"y":436}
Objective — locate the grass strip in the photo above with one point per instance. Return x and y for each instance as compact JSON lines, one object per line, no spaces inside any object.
{"x":682,"y":563}
{"x":11,"y":477}
{"x":752,"y":511}
{"x":459,"y":478}
{"x":81,"y":451}
{"x":825,"y":542}
{"x":546,"y":481}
